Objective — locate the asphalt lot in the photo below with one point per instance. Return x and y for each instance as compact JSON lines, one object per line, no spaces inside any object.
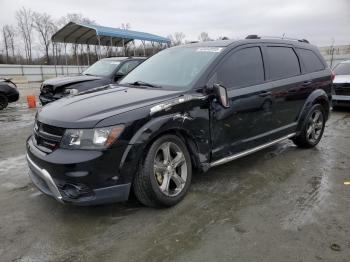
{"x":280,"y":204}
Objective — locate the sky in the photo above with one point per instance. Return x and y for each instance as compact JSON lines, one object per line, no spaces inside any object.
{"x":319,"y":21}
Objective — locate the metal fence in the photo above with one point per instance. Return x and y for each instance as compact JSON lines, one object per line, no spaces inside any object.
{"x":37,"y":73}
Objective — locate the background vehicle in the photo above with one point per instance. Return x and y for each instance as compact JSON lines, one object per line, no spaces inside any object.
{"x":341,"y":85}
{"x":103,"y":72}
{"x":8,"y":92}
{"x":193,"y":106}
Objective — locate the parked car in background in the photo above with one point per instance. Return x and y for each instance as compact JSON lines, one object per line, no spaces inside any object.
{"x":192,"y":106}
{"x":341,"y":85}
{"x":103,"y":72}
{"x":8,"y":92}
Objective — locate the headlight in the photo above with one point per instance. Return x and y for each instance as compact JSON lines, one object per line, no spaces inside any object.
{"x":98,"y":138}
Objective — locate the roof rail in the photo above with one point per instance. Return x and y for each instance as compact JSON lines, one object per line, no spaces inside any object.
{"x":277,"y":37}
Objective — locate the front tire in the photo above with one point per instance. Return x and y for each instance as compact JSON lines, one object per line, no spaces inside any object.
{"x":3,"y":101}
{"x":313,"y":128}
{"x":164,"y":176}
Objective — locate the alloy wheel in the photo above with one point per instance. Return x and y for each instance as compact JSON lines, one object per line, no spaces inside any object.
{"x":170,"y":169}
{"x":314,"y":127}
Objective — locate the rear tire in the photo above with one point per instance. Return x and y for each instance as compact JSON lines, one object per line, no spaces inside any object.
{"x":165,"y":174}
{"x":312,"y":129}
{"x":3,"y":101}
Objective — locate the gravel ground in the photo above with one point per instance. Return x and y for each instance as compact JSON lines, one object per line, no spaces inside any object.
{"x":280,"y":204}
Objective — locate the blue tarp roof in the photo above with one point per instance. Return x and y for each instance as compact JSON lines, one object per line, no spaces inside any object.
{"x":77,"y":33}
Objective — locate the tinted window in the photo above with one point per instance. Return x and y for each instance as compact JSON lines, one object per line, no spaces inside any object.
{"x":283,"y":62}
{"x":243,"y":67}
{"x":342,"y":69}
{"x":310,"y":60}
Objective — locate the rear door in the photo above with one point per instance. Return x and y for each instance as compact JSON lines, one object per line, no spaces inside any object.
{"x":316,"y":69}
{"x":247,"y":122}
{"x":289,"y":87}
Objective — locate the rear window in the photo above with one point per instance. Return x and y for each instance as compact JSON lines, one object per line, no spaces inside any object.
{"x":243,"y":67}
{"x":342,"y":69}
{"x":283,"y":62}
{"x":310,"y":60}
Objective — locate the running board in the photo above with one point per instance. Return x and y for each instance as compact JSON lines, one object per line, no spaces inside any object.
{"x":249,"y":151}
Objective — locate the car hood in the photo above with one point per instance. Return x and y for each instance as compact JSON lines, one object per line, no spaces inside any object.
{"x":69,"y":80}
{"x":86,"y":110}
{"x":340,"y":79}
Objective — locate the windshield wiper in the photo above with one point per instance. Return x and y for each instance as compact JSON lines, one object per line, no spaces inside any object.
{"x":141,"y":83}
{"x":89,"y":75}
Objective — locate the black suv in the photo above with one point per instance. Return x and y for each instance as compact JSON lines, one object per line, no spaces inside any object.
{"x":189,"y":107}
{"x":104,"y":72}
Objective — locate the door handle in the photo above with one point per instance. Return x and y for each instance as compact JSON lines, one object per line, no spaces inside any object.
{"x":306,"y":83}
{"x":264,"y":93}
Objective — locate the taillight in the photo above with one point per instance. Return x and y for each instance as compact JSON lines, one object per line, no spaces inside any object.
{"x":333,"y":75}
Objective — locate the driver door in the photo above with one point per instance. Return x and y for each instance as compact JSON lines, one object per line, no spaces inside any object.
{"x":247,"y":121}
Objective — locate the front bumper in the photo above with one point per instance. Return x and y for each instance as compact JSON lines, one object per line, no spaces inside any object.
{"x":340,"y":100}
{"x":77,"y":177}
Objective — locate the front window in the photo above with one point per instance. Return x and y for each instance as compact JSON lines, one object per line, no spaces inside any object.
{"x":102,"y":68}
{"x":174,"y":68}
{"x":342,"y":69}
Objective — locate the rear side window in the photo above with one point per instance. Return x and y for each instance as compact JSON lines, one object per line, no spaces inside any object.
{"x":310,"y":60}
{"x":283,"y":62}
{"x":243,"y":67}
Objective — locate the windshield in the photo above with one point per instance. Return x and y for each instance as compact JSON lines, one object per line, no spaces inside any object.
{"x":173,"y":68}
{"x":102,"y":68}
{"x":342,"y":69}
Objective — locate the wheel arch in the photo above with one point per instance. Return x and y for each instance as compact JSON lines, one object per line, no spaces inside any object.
{"x":318,"y":96}
{"x":150,"y":132}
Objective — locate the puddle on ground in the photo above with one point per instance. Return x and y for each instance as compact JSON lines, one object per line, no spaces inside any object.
{"x":11,"y":163}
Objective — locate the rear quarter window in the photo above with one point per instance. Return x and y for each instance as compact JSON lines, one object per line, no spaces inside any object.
{"x":310,"y":60}
{"x":283,"y":62}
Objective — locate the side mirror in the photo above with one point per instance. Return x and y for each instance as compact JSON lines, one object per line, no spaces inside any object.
{"x":221,"y":94}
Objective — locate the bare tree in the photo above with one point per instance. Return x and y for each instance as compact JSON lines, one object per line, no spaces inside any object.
{"x":43,"y":24}
{"x":204,"y":36}
{"x":177,"y":38}
{"x":11,"y":33}
{"x":125,"y":26}
{"x":25,"y":24}
{"x":6,"y":45}
{"x":8,"y":33}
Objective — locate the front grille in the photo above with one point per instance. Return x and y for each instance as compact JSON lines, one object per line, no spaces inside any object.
{"x":342,"y":89}
{"x":46,"y":137}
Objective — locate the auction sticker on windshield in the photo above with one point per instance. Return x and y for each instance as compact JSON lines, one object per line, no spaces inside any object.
{"x":209,"y":49}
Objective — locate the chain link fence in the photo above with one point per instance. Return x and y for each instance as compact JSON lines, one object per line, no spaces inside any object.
{"x":37,"y":73}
